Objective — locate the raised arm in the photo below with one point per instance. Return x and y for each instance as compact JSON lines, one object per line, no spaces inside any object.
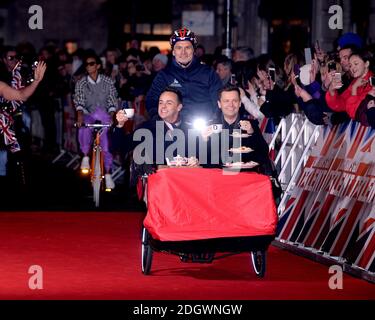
{"x":10,"y":93}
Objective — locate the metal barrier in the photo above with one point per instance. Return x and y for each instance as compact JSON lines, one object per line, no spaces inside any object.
{"x":297,"y":135}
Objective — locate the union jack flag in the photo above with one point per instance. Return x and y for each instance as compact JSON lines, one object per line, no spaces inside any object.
{"x":341,"y":224}
{"x":292,"y":213}
{"x":361,"y":233}
{"x":366,"y":258}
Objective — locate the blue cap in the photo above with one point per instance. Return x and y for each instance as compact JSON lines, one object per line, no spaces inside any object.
{"x":350,"y":38}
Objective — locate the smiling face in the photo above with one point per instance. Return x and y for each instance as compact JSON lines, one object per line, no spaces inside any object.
{"x":169,"y":107}
{"x":230,"y":103}
{"x":183,"y":52}
{"x":358,"y":67}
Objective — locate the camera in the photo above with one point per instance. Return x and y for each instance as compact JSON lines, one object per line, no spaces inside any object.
{"x":233,"y":79}
{"x":297,"y":72}
{"x":28,"y":65}
{"x":272,"y":73}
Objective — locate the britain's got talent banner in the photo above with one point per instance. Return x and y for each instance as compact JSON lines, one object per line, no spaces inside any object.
{"x":332,"y":207}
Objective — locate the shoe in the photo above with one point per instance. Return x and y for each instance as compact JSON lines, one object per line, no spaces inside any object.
{"x":109,"y":184}
{"x":85,"y":165}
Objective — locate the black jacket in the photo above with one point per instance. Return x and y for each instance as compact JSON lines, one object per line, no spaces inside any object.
{"x":153,"y":139}
{"x":279,"y":103}
{"x":255,"y":141}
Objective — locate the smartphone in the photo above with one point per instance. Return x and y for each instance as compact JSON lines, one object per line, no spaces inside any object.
{"x":298,"y":81}
{"x":233,"y":79}
{"x":308,"y":57}
{"x":372,"y":81}
{"x":337,"y":78}
{"x":297,"y":71}
{"x":331,"y":66}
{"x":272,"y":73}
{"x":115,"y":67}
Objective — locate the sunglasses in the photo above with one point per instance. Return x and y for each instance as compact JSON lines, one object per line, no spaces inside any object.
{"x":92,"y":63}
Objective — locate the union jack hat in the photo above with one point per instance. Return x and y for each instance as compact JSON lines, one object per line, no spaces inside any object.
{"x":183,"y":34}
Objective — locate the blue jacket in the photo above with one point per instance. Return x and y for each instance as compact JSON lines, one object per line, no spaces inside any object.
{"x":198,"y":83}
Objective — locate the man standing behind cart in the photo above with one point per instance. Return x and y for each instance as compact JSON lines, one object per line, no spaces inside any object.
{"x":198,"y":83}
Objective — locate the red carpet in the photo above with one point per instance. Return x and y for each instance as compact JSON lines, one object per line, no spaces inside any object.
{"x":97,"y":256}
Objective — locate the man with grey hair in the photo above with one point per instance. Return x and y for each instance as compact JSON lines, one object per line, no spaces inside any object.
{"x":224,"y":70}
{"x":243,"y":54}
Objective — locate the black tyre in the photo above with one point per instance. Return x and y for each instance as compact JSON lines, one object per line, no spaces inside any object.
{"x":258,"y":258}
{"x":97,"y":179}
{"x":146,"y":253}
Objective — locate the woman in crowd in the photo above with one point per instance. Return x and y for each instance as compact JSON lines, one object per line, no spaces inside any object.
{"x":350,"y":99}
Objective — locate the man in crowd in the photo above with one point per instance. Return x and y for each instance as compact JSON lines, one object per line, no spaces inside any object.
{"x":159,"y":62}
{"x":95,"y":99}
{"x":224,"y":70}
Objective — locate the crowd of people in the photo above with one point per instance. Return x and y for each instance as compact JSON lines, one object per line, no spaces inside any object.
{"x":188,"y":84}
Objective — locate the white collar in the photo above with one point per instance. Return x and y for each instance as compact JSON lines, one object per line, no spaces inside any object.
{"x":172,"y":126}
{"x":89,"y":79}
{"x":169,"y":125}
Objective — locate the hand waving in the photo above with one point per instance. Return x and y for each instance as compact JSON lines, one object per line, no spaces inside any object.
{"x":39,"y":71}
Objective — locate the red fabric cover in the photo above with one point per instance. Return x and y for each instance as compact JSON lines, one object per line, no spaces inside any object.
{"x":196,"y":203}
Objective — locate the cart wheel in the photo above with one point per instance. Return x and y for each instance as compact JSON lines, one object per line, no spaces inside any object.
{"x":258,"y":259}
{"x":146,"y":253}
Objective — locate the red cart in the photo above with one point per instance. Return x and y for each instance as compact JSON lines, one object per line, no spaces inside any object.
{"x":198,"y":214}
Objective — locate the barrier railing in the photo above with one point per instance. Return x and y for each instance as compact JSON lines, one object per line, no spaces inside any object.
{"x":328,"y":209}
{"x":297,"y":135}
